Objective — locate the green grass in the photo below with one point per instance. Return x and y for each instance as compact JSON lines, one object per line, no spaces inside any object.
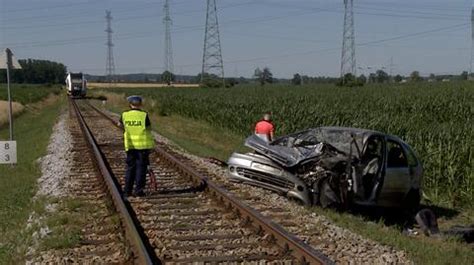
{"x":25,"y":94}
{"x":197,"y":137}
{"x":421,"y":249}
{"x":62,"y":238}
{"x":66,"y":224}
{"x":18,"y":183}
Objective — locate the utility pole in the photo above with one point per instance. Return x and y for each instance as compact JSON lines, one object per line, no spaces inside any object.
{"x":471,"y":76}
{"x":212,"y":56}
{"x":348,"y":59}
{"x":110,"y":66}
{"x":168,"y":48}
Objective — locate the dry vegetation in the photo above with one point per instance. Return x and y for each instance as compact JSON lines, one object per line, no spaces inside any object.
{"x":136,"y":85}
{"x":17,"y":108}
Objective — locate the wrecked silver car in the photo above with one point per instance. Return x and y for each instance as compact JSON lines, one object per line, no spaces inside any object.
{"x":333,"y":167}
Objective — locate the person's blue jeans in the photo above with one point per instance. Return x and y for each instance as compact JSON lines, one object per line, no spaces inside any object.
{"x":137,"y":162}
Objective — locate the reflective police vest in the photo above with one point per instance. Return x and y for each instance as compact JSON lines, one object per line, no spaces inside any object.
{"x":136,"y":136}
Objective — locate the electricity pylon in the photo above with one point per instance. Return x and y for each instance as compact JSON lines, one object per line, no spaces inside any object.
{"x":212,"y":64}
{"x":110,"y":66}
{"x":168,"y":48}
{"x":348,"y":59}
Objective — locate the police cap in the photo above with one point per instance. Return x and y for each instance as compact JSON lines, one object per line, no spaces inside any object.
{"x":134,"y":100}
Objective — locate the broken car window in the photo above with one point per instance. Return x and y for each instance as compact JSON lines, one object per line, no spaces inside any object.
{"x":396,"y":157}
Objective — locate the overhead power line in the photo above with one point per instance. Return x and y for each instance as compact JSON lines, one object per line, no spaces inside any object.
{"x":47,"y":7}
{"x":62,"y":24}
{"x":360,"y":11}
{"x":401,"y":11}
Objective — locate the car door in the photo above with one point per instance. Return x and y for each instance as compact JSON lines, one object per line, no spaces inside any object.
{"x":397,"y":174}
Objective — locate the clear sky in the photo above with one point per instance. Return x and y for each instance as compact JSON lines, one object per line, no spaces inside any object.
{"x":288,"y":36}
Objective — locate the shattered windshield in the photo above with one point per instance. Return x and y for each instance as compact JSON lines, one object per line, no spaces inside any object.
{"x":339,"y":139}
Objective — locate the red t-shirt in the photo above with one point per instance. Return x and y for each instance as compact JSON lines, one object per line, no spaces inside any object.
{"x":264,"y":127}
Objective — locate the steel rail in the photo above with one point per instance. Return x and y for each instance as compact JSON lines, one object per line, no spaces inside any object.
{"x":295,"y":247}
{"x":142,"y":253}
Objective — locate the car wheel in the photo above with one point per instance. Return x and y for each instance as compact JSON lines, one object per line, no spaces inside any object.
{"x":411,"y":203}
{"x":327,"y":197}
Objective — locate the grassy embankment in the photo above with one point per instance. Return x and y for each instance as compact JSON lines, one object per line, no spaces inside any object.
{"x":21,"y":95}
{"x":202,"y":121}
{"x":17,"y":108}
{"x":18,"y":183}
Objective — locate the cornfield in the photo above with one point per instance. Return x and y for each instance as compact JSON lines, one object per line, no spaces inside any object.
{"x":436,"y":119}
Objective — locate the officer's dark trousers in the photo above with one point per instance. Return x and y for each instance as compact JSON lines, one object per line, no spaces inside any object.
{"x":137,"y":162}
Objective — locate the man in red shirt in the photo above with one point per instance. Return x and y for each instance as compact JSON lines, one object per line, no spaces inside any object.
{"x":264,"y":128}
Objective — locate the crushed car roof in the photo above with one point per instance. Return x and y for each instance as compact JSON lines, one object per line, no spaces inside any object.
{"x":287,"y":150}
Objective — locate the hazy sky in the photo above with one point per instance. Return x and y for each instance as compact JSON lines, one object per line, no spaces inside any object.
{"x":304,"y":36}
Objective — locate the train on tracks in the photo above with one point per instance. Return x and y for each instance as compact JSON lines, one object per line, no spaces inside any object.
{"x":76,"y":85}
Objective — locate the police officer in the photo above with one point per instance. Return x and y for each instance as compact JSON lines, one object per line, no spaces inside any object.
{"x":138,"y":142}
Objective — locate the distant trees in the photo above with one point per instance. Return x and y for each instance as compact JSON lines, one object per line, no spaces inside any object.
{"x":37,"y":72}
{"x":382,"y":76}
{"x":363,"y":79}
{"x":296,"y":79}
{"x":263,"y":76}
{"x":167,"y":77}
{"x":349,"y":80}
{"x":372,"y":78}
{"x":463,"y":75}
{"x":398,"y":78}
{"x":209,"y":80}
{"x":415,"y":76}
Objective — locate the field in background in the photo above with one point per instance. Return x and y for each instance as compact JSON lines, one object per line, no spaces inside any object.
{"x":26,"y":94}
{"x":93,"y":85}
{"x":435,"y":118}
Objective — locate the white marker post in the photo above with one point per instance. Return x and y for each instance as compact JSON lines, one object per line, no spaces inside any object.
{"x":8,"y":148}
{"x":8,"y":152}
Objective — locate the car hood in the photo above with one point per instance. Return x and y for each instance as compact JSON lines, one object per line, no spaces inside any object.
{"x":287,"y":156}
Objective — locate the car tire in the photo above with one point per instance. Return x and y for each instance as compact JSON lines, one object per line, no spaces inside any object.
{"x":327,"y":197}
{"x":411,"y":203}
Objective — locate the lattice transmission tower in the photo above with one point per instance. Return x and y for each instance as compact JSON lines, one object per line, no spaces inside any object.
{"x":168,"y":48}
{"x":348,"y":59}
{"x":110,"y":65}
{"x":212,"y":57}
{"x":471,"y":75}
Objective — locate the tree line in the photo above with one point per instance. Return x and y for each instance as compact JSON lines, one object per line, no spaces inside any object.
{"x":36,"y":72}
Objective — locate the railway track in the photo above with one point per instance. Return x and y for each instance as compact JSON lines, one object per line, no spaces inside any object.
{"x":188,"y":218}
{"x":101,"y":239}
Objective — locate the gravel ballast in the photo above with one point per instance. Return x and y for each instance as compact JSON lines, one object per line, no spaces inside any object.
{"x":56,"y":165}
